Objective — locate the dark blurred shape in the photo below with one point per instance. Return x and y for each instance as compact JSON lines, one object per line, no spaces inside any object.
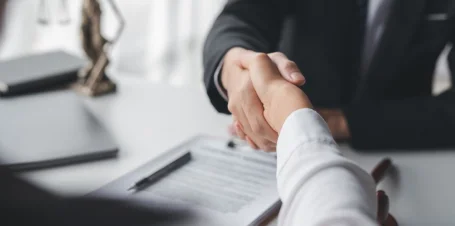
{"x":383,"y":206}
{"x":51,"y":129}
{"x":40,"y":72}
{"x":380,"y":171}
{"x":22,"y":203}
{"x":43,"y":12}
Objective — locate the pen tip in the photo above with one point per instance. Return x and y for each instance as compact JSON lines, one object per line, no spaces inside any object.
{"x":129,"y":189}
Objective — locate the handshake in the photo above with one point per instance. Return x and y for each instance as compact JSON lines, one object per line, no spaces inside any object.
{"x":263,"y":91}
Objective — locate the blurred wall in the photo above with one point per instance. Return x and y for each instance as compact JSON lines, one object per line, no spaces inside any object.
{"x":162,"y":39}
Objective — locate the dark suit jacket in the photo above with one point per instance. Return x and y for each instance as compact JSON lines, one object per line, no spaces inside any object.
{"x":392,"y":106}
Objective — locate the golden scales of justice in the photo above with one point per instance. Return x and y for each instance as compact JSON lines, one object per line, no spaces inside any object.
{"x":93,"y":80}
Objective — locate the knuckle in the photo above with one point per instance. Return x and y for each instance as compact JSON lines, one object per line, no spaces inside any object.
{"x":289,"y":65}
{"x":257,"y":128}
{"x":260,"y":57}
{"x":231,"y":106}
{"x":277,"y":54}
{"x":264,"y":146}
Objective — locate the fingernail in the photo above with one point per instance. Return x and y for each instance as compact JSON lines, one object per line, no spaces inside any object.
{"x":297,"y":76}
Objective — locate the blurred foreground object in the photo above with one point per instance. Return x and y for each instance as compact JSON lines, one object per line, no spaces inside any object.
{"x":36,"y":206}
{"x":378,"y":173}
{"x":93,"y":80}
{"x":44,"y":72}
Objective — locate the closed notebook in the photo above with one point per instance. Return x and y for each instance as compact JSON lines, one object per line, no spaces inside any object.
{"x":37,"y":72}
{"x":50,"y":129}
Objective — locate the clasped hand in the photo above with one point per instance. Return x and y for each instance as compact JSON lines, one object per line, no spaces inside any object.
{"x":263,"y":91}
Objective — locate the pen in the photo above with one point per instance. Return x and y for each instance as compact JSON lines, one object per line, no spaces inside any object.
{"x":383,"y":207}
{"x":381,"y":169}
{"x":147,"y":181}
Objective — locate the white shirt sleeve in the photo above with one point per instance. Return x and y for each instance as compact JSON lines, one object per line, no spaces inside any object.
{"x":318,"y":186}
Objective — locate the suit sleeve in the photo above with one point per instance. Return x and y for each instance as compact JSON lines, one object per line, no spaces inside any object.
{"x":418,"y":123}
{"x":252,"y":24}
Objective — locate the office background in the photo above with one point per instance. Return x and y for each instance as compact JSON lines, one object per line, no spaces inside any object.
{"x":162,"y":41}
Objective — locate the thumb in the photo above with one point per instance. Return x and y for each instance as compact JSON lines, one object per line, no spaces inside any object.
{"x":288,"y":69}
{"x":263,"y":73}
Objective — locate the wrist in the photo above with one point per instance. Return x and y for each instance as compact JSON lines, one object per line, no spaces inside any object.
{"x":282,"y":109}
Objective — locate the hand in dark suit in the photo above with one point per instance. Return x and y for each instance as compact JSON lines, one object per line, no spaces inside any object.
{"x":244,"y":102}
{"x":388,"y":106}
{"x":273,"y":90}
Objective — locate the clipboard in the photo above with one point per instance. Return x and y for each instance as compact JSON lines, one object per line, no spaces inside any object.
{"x":219,"y":185}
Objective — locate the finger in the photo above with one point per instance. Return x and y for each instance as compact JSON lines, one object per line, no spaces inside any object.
{"x":263,"y":73}
{"x":288,"y":69}
{"x":256,"y":142}
{"x":259,"y":142}
{"x":271,"y":148}
{"x":265,"y":145}
{"x":241,"y":124}
{"x":251,"y":143}
{"x":239,"y":130}
{"x":259,"y":126}
{"x":231,"y":129}
{"x":262,"y":144}
{"x":237,"y":112}
{"x":246,"y":58}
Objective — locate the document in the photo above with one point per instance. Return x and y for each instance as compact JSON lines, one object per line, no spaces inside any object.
{"x":221,"y":186}
{"x":220,"y":180}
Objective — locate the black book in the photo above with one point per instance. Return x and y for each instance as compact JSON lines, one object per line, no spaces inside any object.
{"x":50,"y":129}
{"x":38,"y":72}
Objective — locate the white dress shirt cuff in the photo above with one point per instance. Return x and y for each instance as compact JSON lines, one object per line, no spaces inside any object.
{"x":302,"y":126}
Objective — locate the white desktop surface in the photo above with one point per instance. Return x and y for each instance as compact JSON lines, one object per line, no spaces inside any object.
{"x":147,"y":119}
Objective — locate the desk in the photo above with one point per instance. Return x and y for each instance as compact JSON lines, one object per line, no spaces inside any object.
{"x":147,"y":119}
